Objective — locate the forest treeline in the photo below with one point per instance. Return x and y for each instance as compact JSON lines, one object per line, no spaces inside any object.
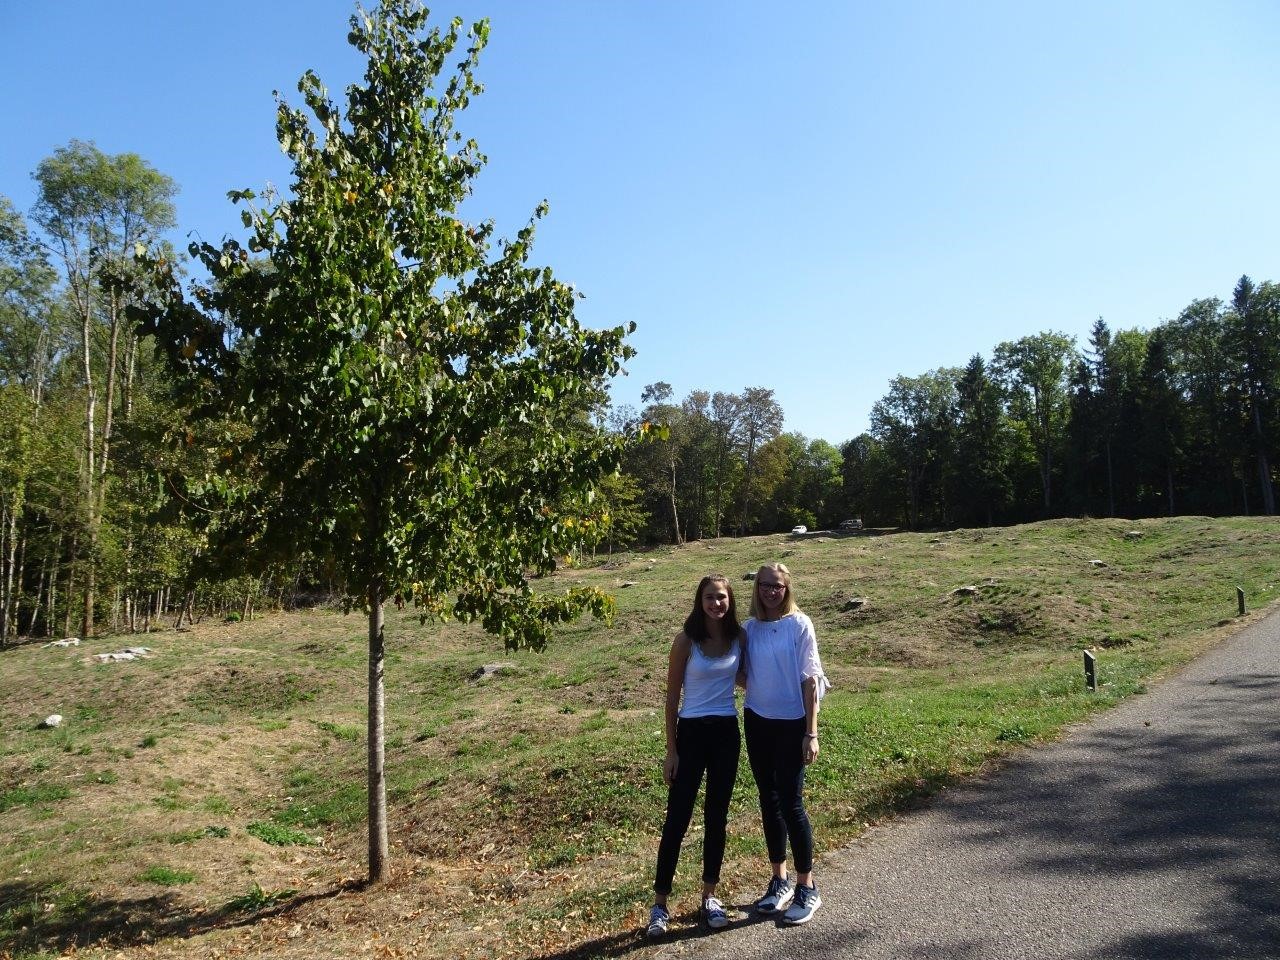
{"x":102,"y":526}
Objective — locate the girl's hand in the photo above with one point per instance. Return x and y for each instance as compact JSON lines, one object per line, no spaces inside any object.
{"x":810,"y":749}
{"x":669,"y":767}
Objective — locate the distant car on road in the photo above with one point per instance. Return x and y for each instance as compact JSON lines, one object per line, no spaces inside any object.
{"x":855,"y":524}
{"x":800,"y":528}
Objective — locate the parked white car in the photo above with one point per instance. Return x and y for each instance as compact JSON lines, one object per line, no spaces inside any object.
{"x":800,"y":528}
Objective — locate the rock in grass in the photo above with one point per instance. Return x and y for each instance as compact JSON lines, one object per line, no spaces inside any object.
{"x":966,"y":591}
{"x":51,"y":722}
{"x":121,"y":656}
{"x":854,"y":603}
{"x":492,"y":670}
{"x":66,"y":642}
{"x":1133,"y":535}
{"x":1096,"y":563}
{"x":748,"y":576}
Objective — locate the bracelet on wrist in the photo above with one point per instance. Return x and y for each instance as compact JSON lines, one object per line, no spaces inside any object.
{"x":811,"y":736}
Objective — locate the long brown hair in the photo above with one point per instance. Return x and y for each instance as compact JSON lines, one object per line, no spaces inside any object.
{"x":695,"y":625}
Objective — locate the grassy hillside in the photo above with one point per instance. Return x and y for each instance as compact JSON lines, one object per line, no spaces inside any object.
{"x":208,"y":801}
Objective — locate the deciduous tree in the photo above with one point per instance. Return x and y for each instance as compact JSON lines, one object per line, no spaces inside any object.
{"x":404,"y":386}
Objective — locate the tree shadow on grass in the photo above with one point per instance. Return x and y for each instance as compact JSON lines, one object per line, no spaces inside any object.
{"x":55,"y":918}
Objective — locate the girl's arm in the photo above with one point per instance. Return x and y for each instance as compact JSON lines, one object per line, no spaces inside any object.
{"x":675,"y":682}
{"x":809,"y":690}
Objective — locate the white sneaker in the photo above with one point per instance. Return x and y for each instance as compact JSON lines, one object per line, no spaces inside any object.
{"x":804,"y":906}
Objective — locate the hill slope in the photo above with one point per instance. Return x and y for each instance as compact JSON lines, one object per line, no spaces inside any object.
{"x":188,"y":793}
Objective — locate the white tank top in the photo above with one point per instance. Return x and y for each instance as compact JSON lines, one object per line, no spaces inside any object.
{"x":708,"y":683}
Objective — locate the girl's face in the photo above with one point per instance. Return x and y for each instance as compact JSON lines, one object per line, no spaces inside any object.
{"x":715,"y":601}
{"x":771,"y":589}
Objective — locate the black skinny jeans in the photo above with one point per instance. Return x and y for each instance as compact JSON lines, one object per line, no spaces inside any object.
{"x":703,"y":744}
{"x":775,"y":751}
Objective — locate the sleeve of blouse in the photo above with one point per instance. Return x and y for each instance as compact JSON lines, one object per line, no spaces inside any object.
{"x":807,"y":653}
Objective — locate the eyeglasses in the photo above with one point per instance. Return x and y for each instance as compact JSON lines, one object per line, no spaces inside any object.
{"x":771,"y":586}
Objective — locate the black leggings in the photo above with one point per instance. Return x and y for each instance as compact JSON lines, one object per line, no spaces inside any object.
{"x":775,"y":750}
{"x":709,"y":744}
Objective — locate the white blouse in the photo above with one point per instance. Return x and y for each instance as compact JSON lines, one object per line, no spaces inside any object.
{"x":781,"y":654}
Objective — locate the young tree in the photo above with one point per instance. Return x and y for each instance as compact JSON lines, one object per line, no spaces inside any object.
{"x":405,"y":388}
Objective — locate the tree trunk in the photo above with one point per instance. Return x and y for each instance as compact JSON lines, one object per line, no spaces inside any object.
{"x":70,"y":592}
{"x":378,"y":847}
{"x":675,"y":516}
{"x":1264,"y":468}
{"x":35,"y":607}
{"x":1168,"y":483}
{"x":52,"y":598}
{"x":6,"y":569}
{"x":108,"y":406}
{"x":90,"y":471}
{"x":1111,"y":495}
{"x":88,"y":592}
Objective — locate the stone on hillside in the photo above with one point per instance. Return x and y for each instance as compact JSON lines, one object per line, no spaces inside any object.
{"x":748,"y":576}
{"x":123,"y":656}
{"x":966,"y":591}
{"x":492,"y":670}
{"x":1096,"y":563}
{"x":51,"y":722}
{"x":1133,"y":535}
{"x":627,"y":583}
{"x":66,"y":642}
{"x":855,"y":603}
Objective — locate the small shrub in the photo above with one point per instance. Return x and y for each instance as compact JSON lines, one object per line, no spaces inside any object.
{"x":259,"y":899}
{"x":165,"y":877}
{"x":341,"y":731}
{"x":278,"y":835}
{"x":149,"y":741}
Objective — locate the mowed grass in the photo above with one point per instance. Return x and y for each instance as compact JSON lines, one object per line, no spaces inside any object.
{"x":526,"y":805}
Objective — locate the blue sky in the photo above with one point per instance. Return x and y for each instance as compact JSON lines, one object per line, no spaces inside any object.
{"x":809,"y":197}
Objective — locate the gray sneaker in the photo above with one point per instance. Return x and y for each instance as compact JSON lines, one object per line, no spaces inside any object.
{"x":713,"y":913}
{"x":776,"y":898}
{"x":659,"y":920}
{"x":803,"y":907}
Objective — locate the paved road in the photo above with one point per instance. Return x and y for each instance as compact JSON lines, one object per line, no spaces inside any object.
{"x":1152,"y":832}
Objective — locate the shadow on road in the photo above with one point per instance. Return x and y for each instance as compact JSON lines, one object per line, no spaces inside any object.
{"x":1193,"y":798}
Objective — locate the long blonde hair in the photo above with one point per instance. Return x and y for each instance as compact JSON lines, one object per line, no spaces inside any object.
{"x":788,"y":598}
